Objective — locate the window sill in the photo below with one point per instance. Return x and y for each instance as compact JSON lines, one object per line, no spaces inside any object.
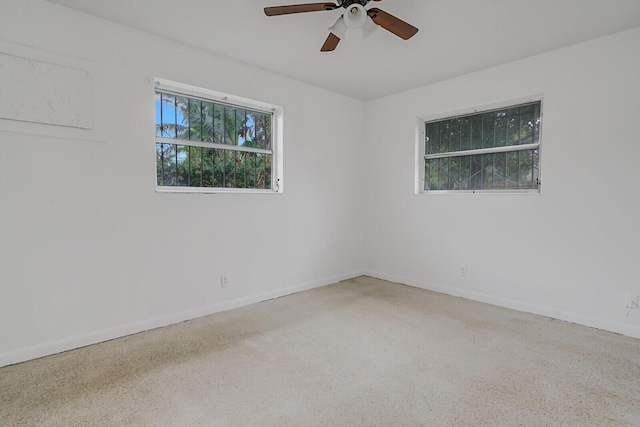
{"x":202,"y":190}
{"x":488,"y":192}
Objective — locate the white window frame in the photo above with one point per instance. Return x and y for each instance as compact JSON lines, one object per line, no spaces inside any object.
{"x":277,"y":125}
{"x":420,"y":146}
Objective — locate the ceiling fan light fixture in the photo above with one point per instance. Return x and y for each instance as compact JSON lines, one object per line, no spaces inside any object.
{"x":339,"y":28}
{"x":355,"y":16}
{"x":369,"y":28}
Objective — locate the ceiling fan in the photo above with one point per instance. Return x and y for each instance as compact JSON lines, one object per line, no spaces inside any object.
{"x":354,"y":17}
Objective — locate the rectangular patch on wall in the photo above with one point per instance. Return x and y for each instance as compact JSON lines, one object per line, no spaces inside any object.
{"x":40,"y":92}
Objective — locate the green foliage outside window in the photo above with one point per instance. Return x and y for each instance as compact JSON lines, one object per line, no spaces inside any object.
{"x":494,"y":150}
{"x":240,"y":155}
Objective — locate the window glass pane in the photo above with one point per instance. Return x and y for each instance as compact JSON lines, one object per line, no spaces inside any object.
{"x":499,"y":170}
{"x":182,"y":117}
{"x":195,"y":120}
{"x":230,"y":136}
{"x":476,"y":132}
{"x":261,"y":168}
{"x":260,"y":131}
{"x":536,"y":124}
{"x":219,"y":168}
{"x":443,"y":174}
{"x":229,"y":169}
{"x":526,"y":128}
{"x":511,"y":112}
{"x":465,"y":133}
{"x":168,"y":116}
{"x":454,"y":173}
{"x":158,"y":114}
{"x":513,"y":130}
{"x":487,"y":171}
{"x":267,"y":171}
{"x":159,"y":159}
{"x":500,"y":135}
{"x":250,"y":168}
{"x":454,"y":135}
{"x":435,"y":173}
{"x":183,"y":165}
{"x":433,"y":177}
{"x":513,"y":170}
{"x":196,"y":166}
{"x":250,"y":129}
{"x":206,"y":121}
{"x":526,"y":176}
{"x":427,"y":184}
{"x":526,"y":109}
{"x":241,"y":178}
{"x":207,"y":167}
{"x":267,"y":132}
{"x":214,"y":122}
{"x":255,"y":135}
{"x":476,"y":172}
{"x":241,"y":118}
{"x":445,"y":132}
{"x":168,"y":159}
{"x":465,"y":173}
{"x":487,"y":130}
{"x":434,"y":138}
{"x":508,"y":170}
{"x":536,"y":167}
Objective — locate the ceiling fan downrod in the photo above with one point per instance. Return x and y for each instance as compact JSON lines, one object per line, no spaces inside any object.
{"x":347,"y":3}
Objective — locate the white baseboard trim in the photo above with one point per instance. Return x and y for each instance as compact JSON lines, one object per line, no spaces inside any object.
{"x":593,"y":322}
{"x":66,"y":344}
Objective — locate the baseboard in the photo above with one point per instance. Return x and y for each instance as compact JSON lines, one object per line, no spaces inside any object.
{"x":58,"y":346}
{"x":593,"y":322}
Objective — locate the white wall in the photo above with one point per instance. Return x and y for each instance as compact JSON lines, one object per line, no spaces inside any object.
{"x":571,"y":252}
{"x":89,"y":251}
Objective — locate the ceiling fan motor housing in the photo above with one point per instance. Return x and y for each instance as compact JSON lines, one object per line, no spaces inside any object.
{"x":347,"y":3}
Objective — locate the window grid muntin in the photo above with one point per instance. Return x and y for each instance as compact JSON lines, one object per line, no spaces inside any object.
{"x":492,"y":147}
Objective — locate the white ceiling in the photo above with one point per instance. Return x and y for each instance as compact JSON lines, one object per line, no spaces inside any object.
{"x":456,"y":36}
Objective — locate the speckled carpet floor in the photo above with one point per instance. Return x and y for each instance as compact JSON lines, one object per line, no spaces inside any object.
{"x":364,"y":352}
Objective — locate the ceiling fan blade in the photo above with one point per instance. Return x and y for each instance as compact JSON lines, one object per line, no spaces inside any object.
{"x":299,"y":8}
{"x":330,"y":43}
{"x":392,"y":24}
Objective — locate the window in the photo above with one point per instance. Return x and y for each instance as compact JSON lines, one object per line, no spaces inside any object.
{"x":497,"y":150}
{"x":209,"y":142}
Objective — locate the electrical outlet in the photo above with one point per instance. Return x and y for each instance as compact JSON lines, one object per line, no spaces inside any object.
{"x":463,"y":271}
{"x":632,"y":301}
{"x":224,"y":281}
